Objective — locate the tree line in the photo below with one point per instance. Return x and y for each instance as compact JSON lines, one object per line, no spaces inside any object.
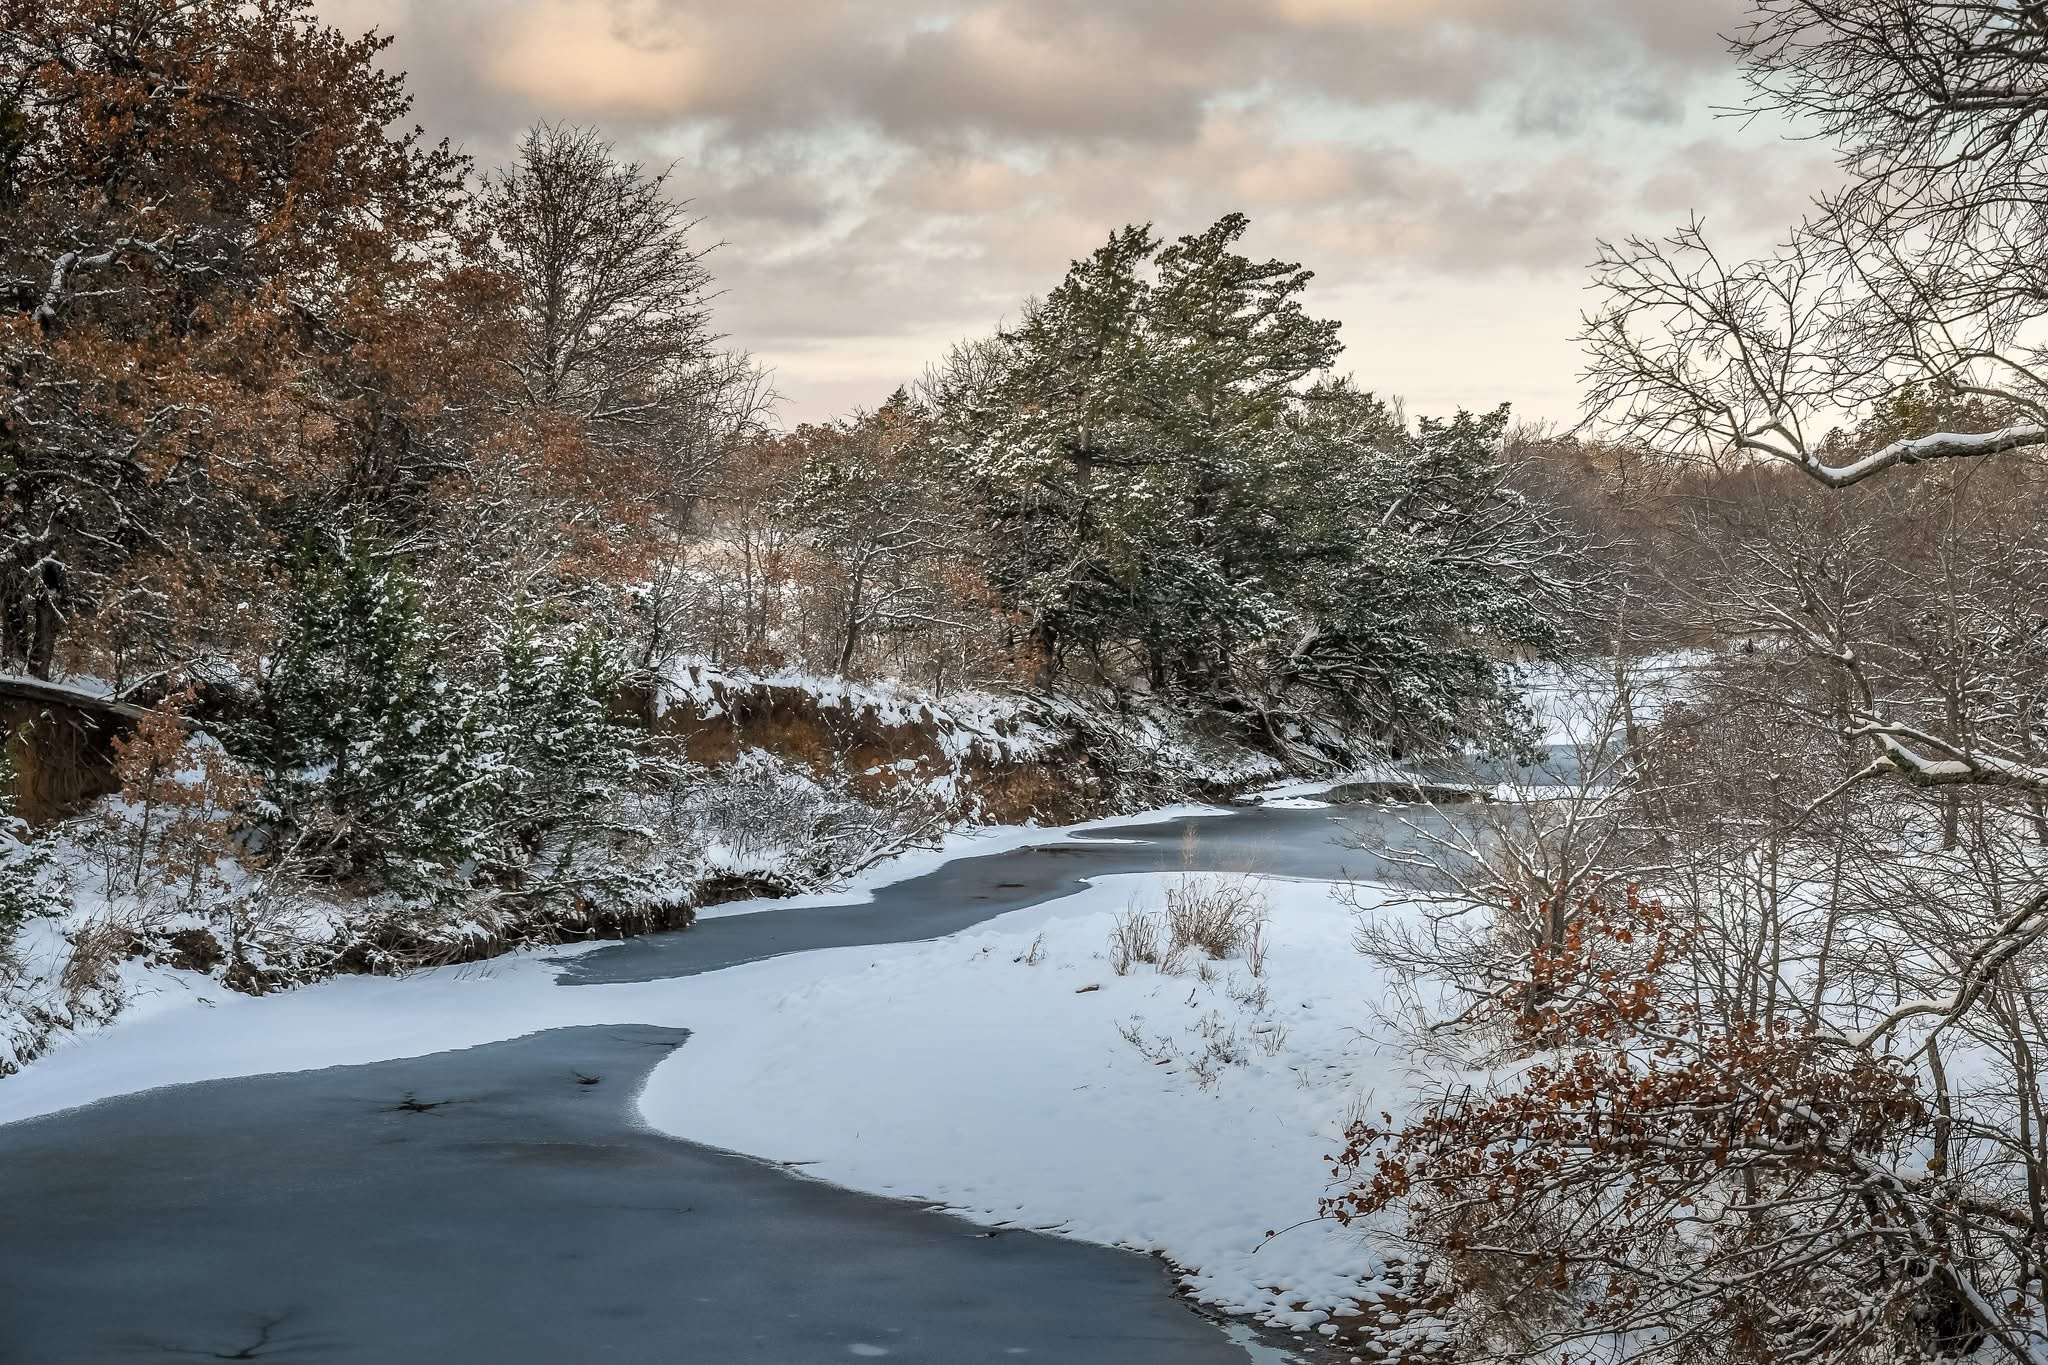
{"x":402,"y":477}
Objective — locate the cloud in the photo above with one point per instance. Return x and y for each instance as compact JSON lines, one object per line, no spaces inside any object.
{"x":888,"y":173}
{"x":574,"y":55}
{"x":1724,"y":176}
{"x":1123,"y":70}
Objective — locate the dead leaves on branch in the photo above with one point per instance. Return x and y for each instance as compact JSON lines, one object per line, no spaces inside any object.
{"x":1649,"y":1156}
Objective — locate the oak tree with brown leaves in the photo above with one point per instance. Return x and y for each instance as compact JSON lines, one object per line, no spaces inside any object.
{"x":234,"y":299}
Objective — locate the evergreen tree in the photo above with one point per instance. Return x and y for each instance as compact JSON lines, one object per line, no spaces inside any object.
{"x":1057,"y":430}
{"x":1411,"y":572}
{"x":1174,"y":486}
{"x":1124,"y":437}
{"x":25,"y":892}
{"x":434,"y":760}
{"x":552,"y":754}
{"x":367,"y":748}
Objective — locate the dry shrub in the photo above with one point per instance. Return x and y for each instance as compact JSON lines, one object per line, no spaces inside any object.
{"x":178,"y":816}
{"x":1271,"y":1038}
{"x":1221,"y":1048}
{"x":1139,"y":936}
{"x":1221,"y":916}
{"x":1255,"y":946}
{"x":97,"y":950}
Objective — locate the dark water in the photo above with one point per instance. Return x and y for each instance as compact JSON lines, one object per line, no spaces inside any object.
{"x":502,"y":1205}
{"x":1293,"y":843}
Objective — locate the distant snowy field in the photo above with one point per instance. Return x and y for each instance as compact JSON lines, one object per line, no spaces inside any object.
{"x":1570,"y":701}
{"x":1010,"y":1075}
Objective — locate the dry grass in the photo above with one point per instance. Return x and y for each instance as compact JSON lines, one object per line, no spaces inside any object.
{"x":1218,"y":917}
{"x":1139,"y":936}
{"x":97,"y":951}
{"x":1255,"y":947}
{"x":1221,"y":916}
{"x":1209,"y":917}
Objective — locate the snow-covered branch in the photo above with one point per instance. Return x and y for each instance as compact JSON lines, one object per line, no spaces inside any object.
{"x":71,"y":264}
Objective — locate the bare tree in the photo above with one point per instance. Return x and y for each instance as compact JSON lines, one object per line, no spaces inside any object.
{"x":1927,"y":268}
{"x":1784,"y":1103}
{"x":876,"y":504}
{"x":615,"y":300}
{"x":1929,"y":272}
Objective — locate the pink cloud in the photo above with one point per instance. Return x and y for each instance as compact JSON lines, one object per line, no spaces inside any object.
{"x":890,"y":175}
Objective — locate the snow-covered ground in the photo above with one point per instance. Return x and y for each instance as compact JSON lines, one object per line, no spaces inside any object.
{"x":169,"y":1027}
{"x":1011,"y":1075}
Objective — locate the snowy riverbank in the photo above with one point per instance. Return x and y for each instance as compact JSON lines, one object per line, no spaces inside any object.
{"x":1007,"y":1072}
{"x":1012,"y":1076}
{"x":180,"y":1025}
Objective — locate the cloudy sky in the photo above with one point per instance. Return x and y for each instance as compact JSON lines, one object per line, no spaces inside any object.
{"x":891,"y":175}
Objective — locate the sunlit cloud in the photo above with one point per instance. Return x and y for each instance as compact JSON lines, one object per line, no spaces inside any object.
{"x":887,"y":176}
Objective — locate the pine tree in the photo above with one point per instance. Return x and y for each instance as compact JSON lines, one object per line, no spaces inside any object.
{"x":439,"y":760}
{"x":1175,"y":488}
{"x":553,"y":753}
{"x":1411,"y":573}
{"x":25,"y":891}
{"x":367,"y":748}
{"x":1049,"y":446}
{"x":1122,"y":443}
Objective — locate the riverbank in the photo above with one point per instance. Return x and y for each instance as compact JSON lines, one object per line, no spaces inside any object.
{"x":184,"y":1026}
{"x":782,"y":786}
{"x":726,"y":983}
{"x":1014,"y":1076}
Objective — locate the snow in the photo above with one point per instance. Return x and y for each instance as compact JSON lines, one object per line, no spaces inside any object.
{"x":1570,"y":701}
{"x":1940,"y":445}
{"x":1053,"y":1118}
{"x":1006,"y":1072}
{"x":85,"y":689}
{"x":176,"y":1026}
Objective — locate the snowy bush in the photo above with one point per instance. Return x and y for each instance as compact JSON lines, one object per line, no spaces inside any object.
{"x":443,"y":760}
{"x":758,"y":817}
